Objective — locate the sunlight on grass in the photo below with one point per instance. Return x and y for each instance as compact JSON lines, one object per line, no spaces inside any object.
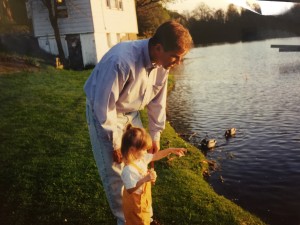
{"x":47,"y":170}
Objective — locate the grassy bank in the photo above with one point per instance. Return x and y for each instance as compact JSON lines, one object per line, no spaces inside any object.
{"x":48,"y":174}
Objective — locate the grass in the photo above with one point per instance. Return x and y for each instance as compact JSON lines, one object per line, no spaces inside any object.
{"x":48,"y":174}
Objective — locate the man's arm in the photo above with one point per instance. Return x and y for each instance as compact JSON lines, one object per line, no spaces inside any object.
{"x":157,"y":115}
{"x":109,"y":81}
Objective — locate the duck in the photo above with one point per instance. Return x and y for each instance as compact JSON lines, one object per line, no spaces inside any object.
{"x":230,"y":132}
{"x":208,"y":143}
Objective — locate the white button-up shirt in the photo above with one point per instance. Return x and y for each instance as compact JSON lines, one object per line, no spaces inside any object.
{"x":125,"y":81}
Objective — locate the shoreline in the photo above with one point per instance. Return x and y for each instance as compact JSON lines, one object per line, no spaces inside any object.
{"x":188,"y":171}
{"x":50,"y":174}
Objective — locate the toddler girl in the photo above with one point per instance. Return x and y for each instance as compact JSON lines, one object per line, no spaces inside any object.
{"x":137,"y":200}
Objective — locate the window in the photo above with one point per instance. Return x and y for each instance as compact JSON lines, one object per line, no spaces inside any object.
{"x":115,"y":4}
{"x":120,"y":4}
{"x":108,"y":3}
{"x":61,"y":9}
{"x":108,"y":39}
{"x":118,"y":37}
{"x":60,"y":3}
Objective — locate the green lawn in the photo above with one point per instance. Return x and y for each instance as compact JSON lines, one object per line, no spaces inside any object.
{"x":48,"y":174}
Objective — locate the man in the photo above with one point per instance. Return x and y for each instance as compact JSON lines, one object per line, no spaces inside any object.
{"x":130,"y":76}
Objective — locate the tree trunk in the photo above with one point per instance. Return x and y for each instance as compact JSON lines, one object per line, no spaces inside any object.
{"x":53,"y":20}
{"x":5,"y":12}
{"x":58,"y":41}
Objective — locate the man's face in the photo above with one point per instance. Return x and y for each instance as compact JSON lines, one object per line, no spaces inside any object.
{"x":168,"y":59}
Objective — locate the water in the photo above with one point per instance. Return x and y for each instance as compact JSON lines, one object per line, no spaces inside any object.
{"x":255,"y":89}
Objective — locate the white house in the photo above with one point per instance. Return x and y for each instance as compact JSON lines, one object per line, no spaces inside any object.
{"x":88,"y":28}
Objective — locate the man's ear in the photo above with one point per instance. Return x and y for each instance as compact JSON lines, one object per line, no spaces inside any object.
{"x":158,"y":48}
{"x":156,"y":52}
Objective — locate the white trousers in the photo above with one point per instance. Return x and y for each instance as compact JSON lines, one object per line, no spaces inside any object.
{"x":109,"y":171}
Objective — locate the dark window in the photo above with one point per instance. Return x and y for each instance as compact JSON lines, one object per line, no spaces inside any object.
{"x":115,"y":4}
{"x":61,"y":9}
{"x":108,"y":3}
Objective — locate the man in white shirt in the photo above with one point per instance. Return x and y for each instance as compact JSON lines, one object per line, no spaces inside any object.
{"x":130,"y":76}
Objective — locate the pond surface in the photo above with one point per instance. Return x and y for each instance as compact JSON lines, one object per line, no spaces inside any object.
{"x":255,"y":89}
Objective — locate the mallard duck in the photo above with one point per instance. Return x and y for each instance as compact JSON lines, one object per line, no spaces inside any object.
{"x":230,"y":132}
{"x":210,"y":143}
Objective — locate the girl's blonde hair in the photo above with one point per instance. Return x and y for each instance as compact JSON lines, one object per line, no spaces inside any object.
{"x":135,"y":139}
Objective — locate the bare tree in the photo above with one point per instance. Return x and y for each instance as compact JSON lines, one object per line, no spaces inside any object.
{"x":150,"y":17}
{"x":232,"y":13}
{"x":6,"y":16}
{"x":144,"y":3}
{"x":52,"y":11}
{"x":203,"y":12}
{"x":219,"y":16}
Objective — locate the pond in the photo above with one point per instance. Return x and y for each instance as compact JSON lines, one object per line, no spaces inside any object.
{"x":254,"y":88}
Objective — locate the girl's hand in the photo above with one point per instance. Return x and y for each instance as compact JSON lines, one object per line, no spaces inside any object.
{"x":178,"y":151}
{"x":152,"y":175}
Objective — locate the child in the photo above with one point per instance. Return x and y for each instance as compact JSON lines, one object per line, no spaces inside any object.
{"x":137,"y":200}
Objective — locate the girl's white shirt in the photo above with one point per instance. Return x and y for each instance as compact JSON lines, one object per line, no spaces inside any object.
{"x":130,"y":175}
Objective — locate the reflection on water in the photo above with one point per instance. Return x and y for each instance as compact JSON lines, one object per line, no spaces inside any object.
{"x":255,"y":89}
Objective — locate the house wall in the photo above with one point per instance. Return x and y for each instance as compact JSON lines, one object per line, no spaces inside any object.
{"x":121,"y":21}
{"x":112,"y":20}
{"x":113,"y":25}
{"x":100,"y":27}
{"x":79,"y":21}
{"x":79,"y":18}
{"x":48,"y":43}
{"x":101,"y":45}
{"x":104,"y":41}
{"x":88,"y":48}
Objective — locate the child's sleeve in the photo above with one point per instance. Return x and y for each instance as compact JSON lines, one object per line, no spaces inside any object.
{"x":148,"y":158}
{"x":129,"y":179}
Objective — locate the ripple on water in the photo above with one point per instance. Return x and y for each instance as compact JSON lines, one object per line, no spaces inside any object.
{"x":260,"y":166}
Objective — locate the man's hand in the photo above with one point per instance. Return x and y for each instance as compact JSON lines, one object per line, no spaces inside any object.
{"x":117,"y":156}
{"x":155,"y":147}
